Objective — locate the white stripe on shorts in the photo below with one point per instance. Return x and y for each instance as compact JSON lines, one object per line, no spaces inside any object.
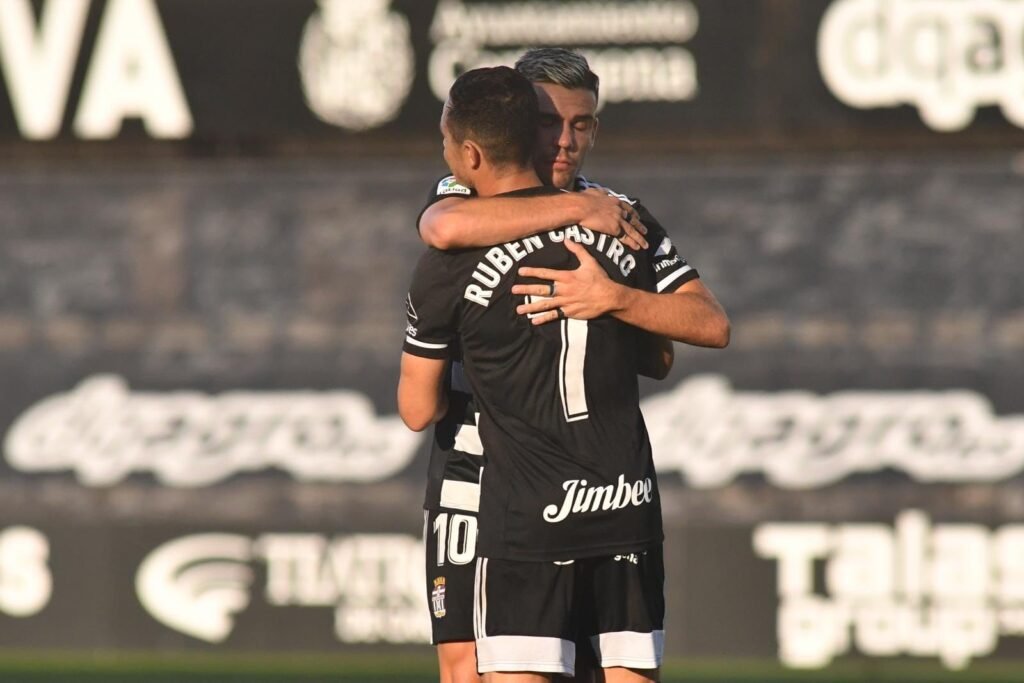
{"x":483,"y":598}
{"x":478,"y":631}
{"x":630,"y":649}
{"x":526,"y":653}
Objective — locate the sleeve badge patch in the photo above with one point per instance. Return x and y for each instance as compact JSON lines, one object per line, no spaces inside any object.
{"x":451,"y":186}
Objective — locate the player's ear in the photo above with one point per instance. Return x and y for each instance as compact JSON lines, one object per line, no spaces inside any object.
{"x":593,"y":135}
{"x":473,"y":154}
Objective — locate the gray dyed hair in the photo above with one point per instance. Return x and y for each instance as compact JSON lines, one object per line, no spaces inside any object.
{"x":559,"y":66}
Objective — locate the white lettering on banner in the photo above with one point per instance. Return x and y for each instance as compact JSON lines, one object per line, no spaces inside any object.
{"x":132,"y":72}
{"x":104,"y":433}
{"x":374,"y":582}
{"x":38,"y":64}
{"x":632,"y":66}
{"x":25,"y":580}
{"x":197,"y":583}
{"x":948,"y":590}
{"x":712,"y":434}
{"x":356,"y":62}
{"x":512,"y":24}
{"x":947,"y":57}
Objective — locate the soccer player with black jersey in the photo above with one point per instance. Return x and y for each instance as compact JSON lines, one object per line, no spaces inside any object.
{"x":569,"y":514}
{"x":568,"y":93}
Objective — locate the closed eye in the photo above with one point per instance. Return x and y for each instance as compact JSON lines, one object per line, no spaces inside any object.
{"x":583,"y":125}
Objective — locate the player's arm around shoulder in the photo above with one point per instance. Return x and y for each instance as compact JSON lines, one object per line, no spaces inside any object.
{"x":455,"y":218}
{"x":438,"y":223}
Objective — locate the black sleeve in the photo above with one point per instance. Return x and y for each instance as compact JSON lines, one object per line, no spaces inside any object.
{"x":668,"y":270}
{"x":444,"y":188}
{"x":431,"y":308}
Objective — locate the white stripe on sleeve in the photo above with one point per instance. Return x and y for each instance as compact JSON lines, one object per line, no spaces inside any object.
{"x":425,"y":345}
{"x":663,"y":284}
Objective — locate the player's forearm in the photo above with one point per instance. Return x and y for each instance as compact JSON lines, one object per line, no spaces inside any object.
{"x":480,"y":222}
{"x":422,"y":400}
{"x":690,"y":317}
{"x":420,"y":409}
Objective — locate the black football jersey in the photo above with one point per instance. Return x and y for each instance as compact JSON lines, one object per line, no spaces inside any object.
{"x":457,"y":453}
{"x":568,"y":468}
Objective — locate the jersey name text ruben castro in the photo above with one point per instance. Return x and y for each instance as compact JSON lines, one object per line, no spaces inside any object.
{"x":581,"y":498}
{"x":498,"y":261}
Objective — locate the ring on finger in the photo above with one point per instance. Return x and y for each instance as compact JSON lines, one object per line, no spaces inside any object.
{"x":551,"y":289}
{"x":560,"y":313}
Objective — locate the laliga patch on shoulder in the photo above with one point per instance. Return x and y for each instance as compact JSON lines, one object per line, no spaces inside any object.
{"x":451,"y":186}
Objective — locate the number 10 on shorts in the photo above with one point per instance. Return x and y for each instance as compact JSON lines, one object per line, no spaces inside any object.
{"x":456,"y":538}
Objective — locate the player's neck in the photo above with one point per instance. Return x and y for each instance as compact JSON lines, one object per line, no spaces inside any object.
{"x":507,"y":179}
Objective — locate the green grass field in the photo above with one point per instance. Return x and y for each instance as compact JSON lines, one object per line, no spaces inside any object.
{"x":146,"y":668}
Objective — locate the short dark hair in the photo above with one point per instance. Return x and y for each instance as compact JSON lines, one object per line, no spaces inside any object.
{"x":559,"y":66}
{"x":497,"y":108}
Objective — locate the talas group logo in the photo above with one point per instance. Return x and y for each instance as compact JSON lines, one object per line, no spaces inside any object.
{"x":946,"y":57}
{"x":200,"y":584}
{"x":945,"y":590}
{"x":356,"y":62}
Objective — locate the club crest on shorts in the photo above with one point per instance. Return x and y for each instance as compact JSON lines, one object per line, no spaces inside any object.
{"x":437,"y":597}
